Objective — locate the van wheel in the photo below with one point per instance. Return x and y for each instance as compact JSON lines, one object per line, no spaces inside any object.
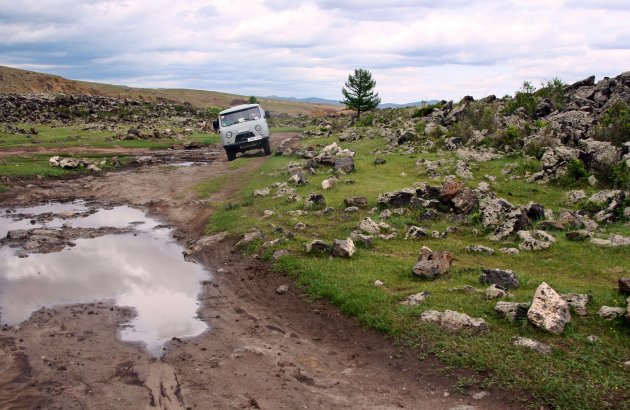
{"x":231,"y":155}
{"x":266,"y":147}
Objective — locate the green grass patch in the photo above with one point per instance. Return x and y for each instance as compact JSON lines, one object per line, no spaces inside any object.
{"x":577,"y":375}
{"x":212,"y":185}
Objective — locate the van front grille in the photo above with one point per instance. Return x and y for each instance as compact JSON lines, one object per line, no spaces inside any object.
{"x":242,"y":137}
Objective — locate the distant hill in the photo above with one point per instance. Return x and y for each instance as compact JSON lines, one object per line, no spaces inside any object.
{"x":13,"y":80}
{"x":315,"y":100}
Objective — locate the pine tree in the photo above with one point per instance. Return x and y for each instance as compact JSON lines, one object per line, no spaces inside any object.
{"x":358,"y":92}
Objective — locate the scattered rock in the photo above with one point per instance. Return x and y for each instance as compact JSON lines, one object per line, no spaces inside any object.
{"x":480,"y":249}
{"x":496,"y":291}
{"x":509,"y":251}
{"x":624,"y":285}
{"x":343,"y":248}
{"x":358,"y":201}
{"x":279,"y":254}
{"x":454,"y":320}
{"x":378,"y":283}
{"x":315,"y":201}
{"x":610,"y":313}
{"x":249,"y":237}
{"x":262,"y":192}
{"x":502,"y":277}
{"x":369,"y":226}
{"x":415,"y":299}
{"x":416,"y":232}
{"x":579,"y":235}
{"x":512,"y":310}
{"x":282,"y":289}
{"x":432,"y":265}
{"x":532,"y":344}
{"x":578,"y":302}
{"x":549,"y":311}
{"x":318,"y":246}
{"x":329,"y":183}
{"x":535,"y":240}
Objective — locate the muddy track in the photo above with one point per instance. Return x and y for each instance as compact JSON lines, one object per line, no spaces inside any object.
{"x":263,"y":350}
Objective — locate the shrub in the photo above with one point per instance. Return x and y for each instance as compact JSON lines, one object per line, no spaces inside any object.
{"x":426,"y":110}
{"x":553,"y":90}
{"x":476,"y":117}
{"x":421,"y":127}
{"x":576,"y":172}
{"x":618,"y":176}
{"x":614,"y":125}
{"x":525,"y":97}
{"x":366,"y":120}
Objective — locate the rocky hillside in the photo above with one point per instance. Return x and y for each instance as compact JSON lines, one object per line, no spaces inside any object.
{"x":15,"y":81}
{"x":577,"y":131}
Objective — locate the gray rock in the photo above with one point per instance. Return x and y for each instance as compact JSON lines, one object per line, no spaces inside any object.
{"x":512,"y":310}
{"x":624,"y":285}
{"x":612,"y":241}
{"x":361,"y":238}
{"x":496,"y":291}
{"x":509,"y":251}
{"x":279,"y":254}
{"x":432,"y":265}
{"x":249,"y":237}
{"x":344,"y":164}
{"x":578,"y":302}
{"x":396,"y":199}
{"x":452,"y":320}
{"x":532,"y":344}
{"x":480,"y":249}
{"x":576,"y":196}
{"x":502,"y":277}
{"x":535,"y":240}
{"x":262,"y":192}
{"x":343,"y":248}
{"x":610,"y":313}
{"x":549,"y":311}
{"x":416,"y":232}
{"x":415,"y":299}
{"x":282,"y":289}
{"x":367,"y":225}
{"x":315,"y":201}
{"x":579,"y":235}
{"x":358,"y":201}
{"x":318,"y":246}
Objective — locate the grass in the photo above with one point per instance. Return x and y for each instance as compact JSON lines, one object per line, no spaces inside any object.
{"x":577,"y":375}
{"x":33,"y":165}
{"x":76,"y":136}
{"x":212,"y":185}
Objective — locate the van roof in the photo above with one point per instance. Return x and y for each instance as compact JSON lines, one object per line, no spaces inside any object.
{"x":238,"y":108}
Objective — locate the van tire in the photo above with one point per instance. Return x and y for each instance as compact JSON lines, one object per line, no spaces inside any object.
{"x":266,"y":147}
{"x":231,"y":155}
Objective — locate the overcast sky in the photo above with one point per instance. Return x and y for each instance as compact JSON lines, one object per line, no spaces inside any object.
{"x":415,"y":49}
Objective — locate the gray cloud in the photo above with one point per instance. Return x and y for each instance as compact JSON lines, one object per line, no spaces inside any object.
{"x":416,"y":49}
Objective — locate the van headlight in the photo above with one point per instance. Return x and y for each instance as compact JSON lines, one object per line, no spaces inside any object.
{"x":258,"y":128}
{"x":228,"y":134}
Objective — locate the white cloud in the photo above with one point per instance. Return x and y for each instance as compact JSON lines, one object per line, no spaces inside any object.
{"x":416,"y":49}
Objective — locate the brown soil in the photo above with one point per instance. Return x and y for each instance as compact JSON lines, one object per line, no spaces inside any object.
{"x":263,"y":350}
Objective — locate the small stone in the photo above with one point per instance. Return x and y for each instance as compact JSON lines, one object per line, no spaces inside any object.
{"x":416,"y":232}
{"x":480,"y":249}
{"x":282,"y":289}
{"x":378,"y":283}
{"x":279,"y":253}
{"x":532,"y":344}
{"x":509,"y":251}
{"x":512,"y":310}
{"x":480,"y":395}
{"x":577,"y":302}
{"x":415,"y":299}
{"x":318,"y":246}
{"x":262,"y":192}
{"x":454,"y":320}
{"x":611,"y":313}
{"x":496,"y":291}
{"x":592,"y":339}
{"x":579,"y":235}
{"x":267,"y":213}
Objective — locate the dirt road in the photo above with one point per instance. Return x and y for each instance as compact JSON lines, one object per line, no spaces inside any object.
{"x":262,"y":350}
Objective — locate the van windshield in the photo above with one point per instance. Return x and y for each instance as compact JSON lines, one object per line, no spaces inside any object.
{"x":248,"y":114}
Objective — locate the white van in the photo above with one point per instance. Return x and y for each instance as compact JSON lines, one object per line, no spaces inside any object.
{"x":242,"y":128}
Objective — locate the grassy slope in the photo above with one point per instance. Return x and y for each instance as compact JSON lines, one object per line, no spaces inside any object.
{"x":21,"y":81}
{"x":578,"y":374}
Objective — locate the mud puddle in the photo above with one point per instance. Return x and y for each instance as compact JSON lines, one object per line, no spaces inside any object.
{"x":58,"y":254}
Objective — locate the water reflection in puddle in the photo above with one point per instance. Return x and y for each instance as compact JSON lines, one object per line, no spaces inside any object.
{"x":186,"y":164}
{"x":145,"y":271}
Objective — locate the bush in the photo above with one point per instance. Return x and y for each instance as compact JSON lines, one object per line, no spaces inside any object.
{"x":525,"y":98}
{"x":554,"y":91}
{"x":614,"y":125}
{"x":576,"y":173}
{"x":366,"y":120}
{"x":618,"y":176}
{"x":426,"y":110}
{"x":476,"y":117}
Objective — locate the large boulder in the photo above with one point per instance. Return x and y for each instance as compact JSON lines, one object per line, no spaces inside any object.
{"x":344,"y":164}
{"x":549,"y":311}
{"x":535,"y":240}
{"x":602,"y":154}
{"x":432,"y":265}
